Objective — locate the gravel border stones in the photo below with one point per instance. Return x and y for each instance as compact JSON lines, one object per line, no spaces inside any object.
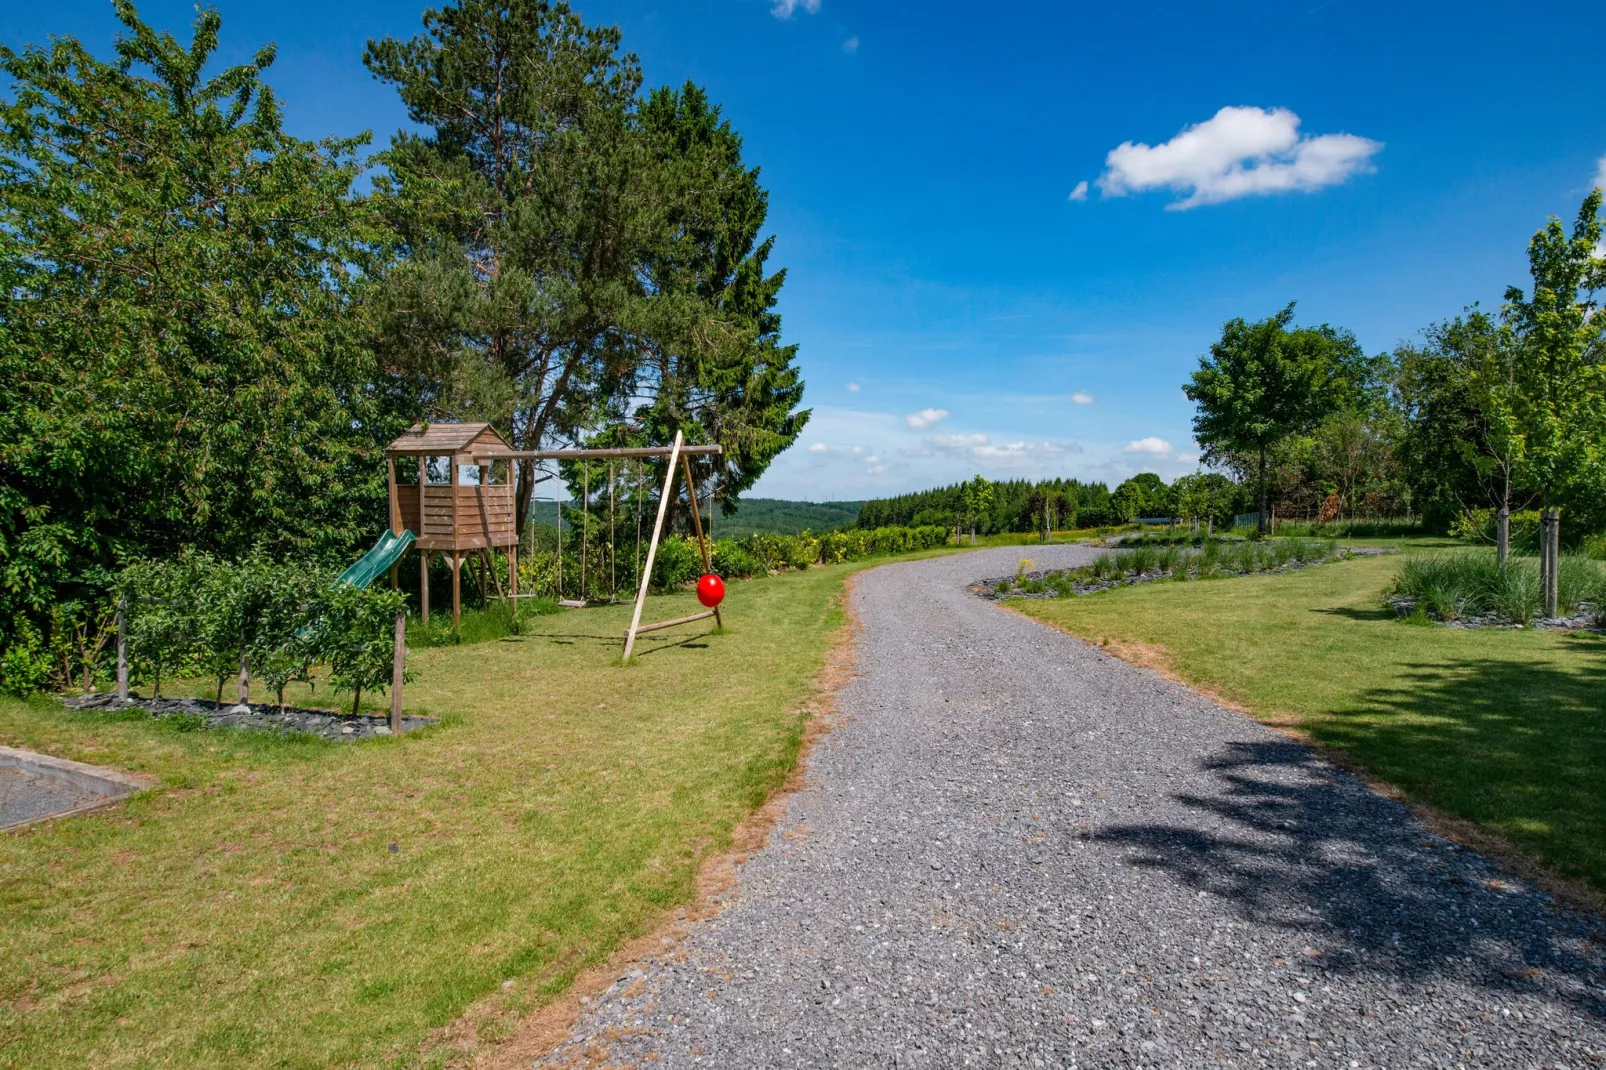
{"x":1017,"y":850}
{"x":1582,"y":621}
{"x":321,"y":723}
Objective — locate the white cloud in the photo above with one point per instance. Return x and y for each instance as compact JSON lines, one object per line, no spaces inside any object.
{"x":1151,"y":446}
{"x":819,"y":447}
{"x":877,"y":469}
{"x":859,"y":451}
{"x":1600,"y":174}
{"x":872,"y":460}
{"x":1014,"y":452}
{"x":957,"y":442}
{"x":1082,"y":397}
{"x":925,"y":418}
{"x":853,"y":388}
{"x":1239,"y":152}
{"x":1080,"y":192}
{"x":850,"y":46}
{"x":784,"y":9}
{"x":1188,"y":458}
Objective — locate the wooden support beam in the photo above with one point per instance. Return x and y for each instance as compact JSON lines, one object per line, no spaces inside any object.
{"x":577,"y":455}
{"x":395,"y":502}
{"x":652,"y":548}
{"x":697,"y":524}
{"x":676,"y":622}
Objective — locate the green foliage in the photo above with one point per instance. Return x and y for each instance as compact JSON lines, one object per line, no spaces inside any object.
{"x":1264,"y":381}
{"x":178,"y":367}
{"x":578,"y":255}
{"x":355,"y":635}
{"x":1182,"y":557}
{"x":1017,"y":506}
{"x":754,"y":515}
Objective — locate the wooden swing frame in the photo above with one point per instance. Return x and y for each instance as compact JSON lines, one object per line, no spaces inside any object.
{"x":679,"y":455}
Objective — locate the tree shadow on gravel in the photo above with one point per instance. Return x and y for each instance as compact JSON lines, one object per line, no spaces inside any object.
{"x":1308,"y":849}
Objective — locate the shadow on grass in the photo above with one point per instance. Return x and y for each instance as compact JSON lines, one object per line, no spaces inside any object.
{"x":1295,"y":844}
{"x":1355,"y":613}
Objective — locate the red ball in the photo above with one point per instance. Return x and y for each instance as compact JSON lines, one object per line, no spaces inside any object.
{"x":710,"y":590}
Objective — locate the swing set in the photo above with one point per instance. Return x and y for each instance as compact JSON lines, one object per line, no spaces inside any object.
{"x":710,"y":589}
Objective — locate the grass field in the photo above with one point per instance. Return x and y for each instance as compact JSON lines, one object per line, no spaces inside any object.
{"x":302,"y":904}
{"x":1505,"y":729}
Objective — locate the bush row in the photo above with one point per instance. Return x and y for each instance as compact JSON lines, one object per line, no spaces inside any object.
{"x":197,"y":615}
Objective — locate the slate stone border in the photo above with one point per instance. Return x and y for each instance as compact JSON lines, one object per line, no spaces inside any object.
{"x":1582,"y":621}
{"x":325,"y":724}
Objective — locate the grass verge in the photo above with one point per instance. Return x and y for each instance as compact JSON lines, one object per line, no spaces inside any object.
{"x":290,"y":902}
{"x":1503,"y":729}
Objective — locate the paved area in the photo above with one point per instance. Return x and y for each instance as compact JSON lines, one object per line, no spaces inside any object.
{"x":1017,"y":851}
{"x":24,"y":797}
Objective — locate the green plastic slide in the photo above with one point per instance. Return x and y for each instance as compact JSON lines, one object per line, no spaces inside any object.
{"x":376,"y":562}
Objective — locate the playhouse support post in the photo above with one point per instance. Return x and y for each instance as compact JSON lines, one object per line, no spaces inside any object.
{"x":457,"y":589}
{"x":697,"y":524}
{"x":397,"y":672}
{"x":513,"y":572}
{"x":423,"y":587}
{"x":652,"y":547}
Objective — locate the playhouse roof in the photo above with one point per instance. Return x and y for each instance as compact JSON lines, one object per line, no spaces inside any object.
{"x":440,"y":438}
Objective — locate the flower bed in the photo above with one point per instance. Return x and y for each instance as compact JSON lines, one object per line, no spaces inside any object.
{"x":1211,"y":559}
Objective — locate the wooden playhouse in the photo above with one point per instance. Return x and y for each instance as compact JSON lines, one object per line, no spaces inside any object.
{"x":458,"y":517}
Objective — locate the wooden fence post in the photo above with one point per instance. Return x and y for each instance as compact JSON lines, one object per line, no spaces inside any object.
{"x":122,"y":650}
{"x":397,"y":672}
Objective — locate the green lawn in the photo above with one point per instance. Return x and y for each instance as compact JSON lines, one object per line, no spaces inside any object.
{"x":1506,"y":729}
{"x":304,"y":904}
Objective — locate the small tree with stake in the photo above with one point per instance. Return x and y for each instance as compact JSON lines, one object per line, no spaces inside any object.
{"x":283,"y":642}
{"x":356,"y":637}
{"x":1555,"y":404}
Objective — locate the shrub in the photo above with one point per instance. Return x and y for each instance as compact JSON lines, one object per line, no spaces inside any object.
{"x":355,"y":635}
{"x":23,"y":668}
{"x":677,"y":563}
{"x":733,"y":560}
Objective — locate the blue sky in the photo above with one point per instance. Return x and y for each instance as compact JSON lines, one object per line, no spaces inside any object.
{"x":959,"y":305}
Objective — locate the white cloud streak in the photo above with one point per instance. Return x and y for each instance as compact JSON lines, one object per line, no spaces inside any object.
{"x":819,"y":447}
{"x":1600,"y":174}
{"x":850,"y":46}
{"x":1238,"y":152}
{"x":853,"y":388}
{"x":785,"y":9}
{"x":1080,"y":192}
{"x":1082,"y":397}
{"x":925,"y":419}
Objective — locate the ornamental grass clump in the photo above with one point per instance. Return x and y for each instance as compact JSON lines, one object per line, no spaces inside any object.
{"x":1473,"y":583}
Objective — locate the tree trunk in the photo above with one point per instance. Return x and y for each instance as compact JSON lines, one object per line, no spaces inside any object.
{"x":242,"y":691}
{"x":1260,"y":519}
{"x":1502,"y":532}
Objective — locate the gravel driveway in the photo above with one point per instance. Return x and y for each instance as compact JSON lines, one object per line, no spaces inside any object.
{"x":1017,"y":851}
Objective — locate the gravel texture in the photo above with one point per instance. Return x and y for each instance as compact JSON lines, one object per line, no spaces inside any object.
{"x":24,"y":797}
{"x":1015,"y":850}
{"x":258,"y":716}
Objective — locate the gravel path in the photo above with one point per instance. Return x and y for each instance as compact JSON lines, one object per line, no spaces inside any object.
{"x":1017,"y":851}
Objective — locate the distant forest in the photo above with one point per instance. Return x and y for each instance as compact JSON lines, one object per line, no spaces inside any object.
{"x":1017,"y":505}
{"x":786,"y":518}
